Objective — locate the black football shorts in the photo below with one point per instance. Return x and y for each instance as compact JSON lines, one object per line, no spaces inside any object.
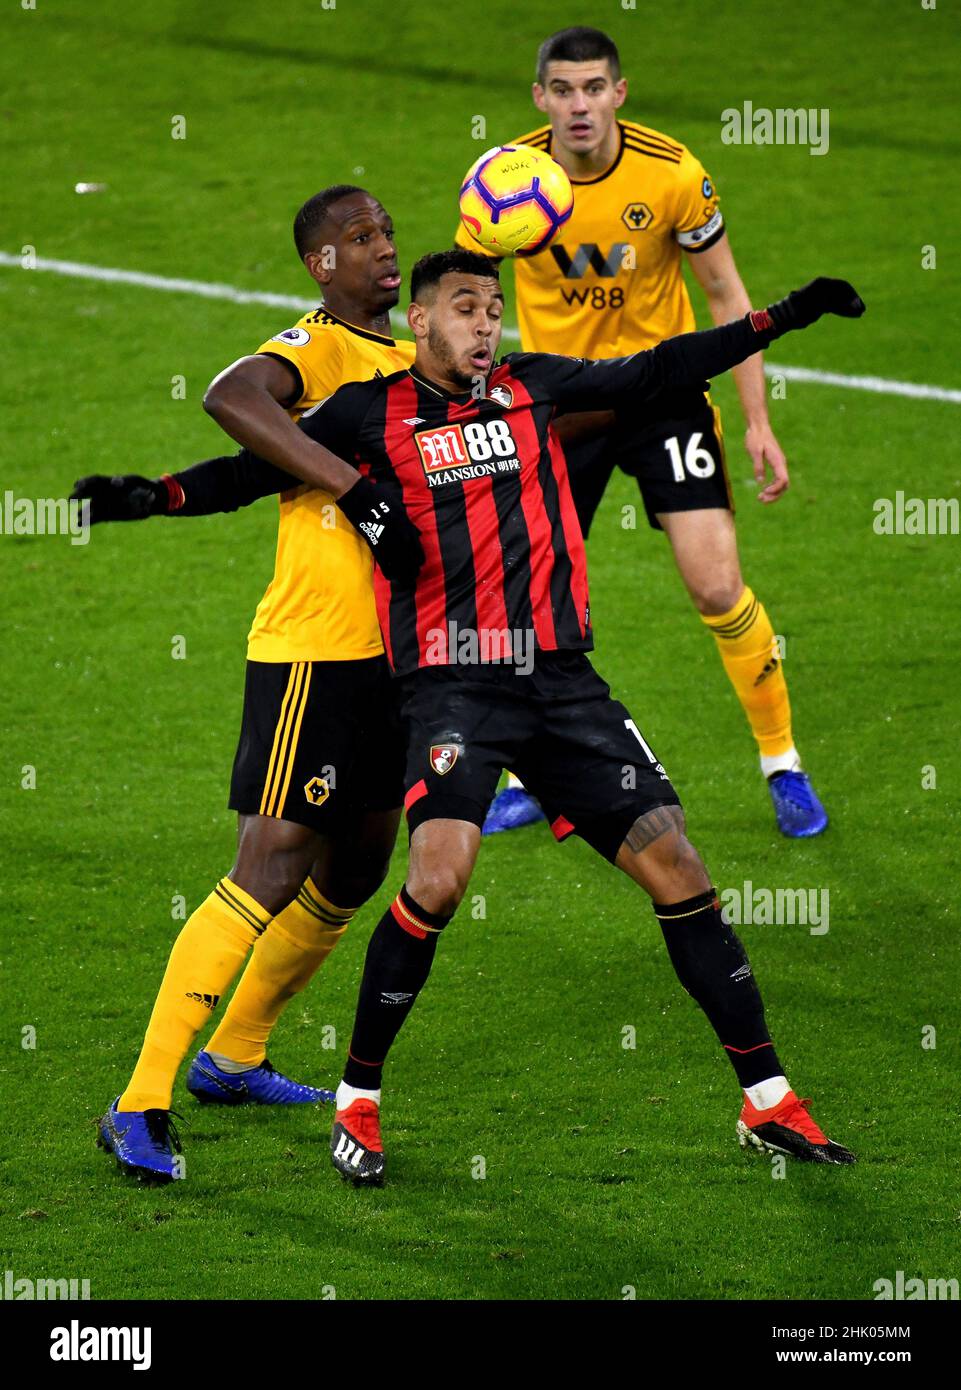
{"x":320,"y":743}
{"x":675,"y":450}
{"x":558,"y":728}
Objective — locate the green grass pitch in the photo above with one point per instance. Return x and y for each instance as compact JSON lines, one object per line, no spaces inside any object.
{"x":607,"y":1168}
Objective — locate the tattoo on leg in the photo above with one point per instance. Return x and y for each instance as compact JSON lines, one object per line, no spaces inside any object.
{"x":652,"y":825}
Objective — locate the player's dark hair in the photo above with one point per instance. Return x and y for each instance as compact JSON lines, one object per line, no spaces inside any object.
{"x":431,"y":267}
{"x":578,"y":44}
{"x":314,"y":213}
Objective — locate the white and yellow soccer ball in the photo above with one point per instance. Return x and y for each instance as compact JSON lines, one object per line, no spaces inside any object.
{"x":514,"y":200}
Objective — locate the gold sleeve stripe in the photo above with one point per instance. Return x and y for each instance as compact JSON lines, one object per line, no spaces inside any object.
{"x":281,"y":745}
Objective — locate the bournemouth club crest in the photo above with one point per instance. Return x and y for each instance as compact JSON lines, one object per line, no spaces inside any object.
{"x":443,"y":756}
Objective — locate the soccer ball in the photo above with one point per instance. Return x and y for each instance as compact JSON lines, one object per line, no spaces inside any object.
{"x":514,"y":200}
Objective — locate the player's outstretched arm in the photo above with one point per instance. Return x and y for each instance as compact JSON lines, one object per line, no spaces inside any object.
{"x":216,"y":485}
{"x":224,"y":484}
{"x":248,"y":401}
{"x":690,"y":357}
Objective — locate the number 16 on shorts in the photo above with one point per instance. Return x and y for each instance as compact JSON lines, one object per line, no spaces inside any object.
{"x":698,"y":461}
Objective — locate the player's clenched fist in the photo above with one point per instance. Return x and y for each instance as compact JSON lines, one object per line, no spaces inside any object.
{"x":124,"y":498}
{"x":386,"y":527}
{"x":801,"y":308}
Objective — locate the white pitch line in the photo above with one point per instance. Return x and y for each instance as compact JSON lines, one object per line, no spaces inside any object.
{"x":207,"y":289}
{"x":879,"y":384}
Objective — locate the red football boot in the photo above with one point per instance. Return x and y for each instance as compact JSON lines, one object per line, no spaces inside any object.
{"x":356,"y":1149}
{"x":788,"y":1128}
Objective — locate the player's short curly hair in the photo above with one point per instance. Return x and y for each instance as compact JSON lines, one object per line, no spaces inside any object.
{"x":314,"y":213}
{"x":579,"y":44}
{"x":430,"y":268}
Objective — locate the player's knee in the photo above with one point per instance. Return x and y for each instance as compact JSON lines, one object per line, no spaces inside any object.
{"x":689,"y":867}
{"x":352,"y":884}
{"x":438,"y":888}
{"x":658,"y":855}
{"x":717,"y":593}
{"x":273,"y":859}
{"x":676,"y":862}
{"x":274,"y":880}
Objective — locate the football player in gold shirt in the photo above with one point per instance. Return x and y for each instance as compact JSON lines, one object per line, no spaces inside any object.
{"x":610,"y":285}
{"x":318,"y":776}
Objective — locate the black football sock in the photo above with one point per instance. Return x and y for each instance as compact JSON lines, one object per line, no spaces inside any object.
{"x":713,"y":967}
{"x":399,"y":957}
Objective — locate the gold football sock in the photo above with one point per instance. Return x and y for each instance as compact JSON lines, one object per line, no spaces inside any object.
{"x":285,"y":958}
{"x":205,"y":958}
{"x":745,"y":639}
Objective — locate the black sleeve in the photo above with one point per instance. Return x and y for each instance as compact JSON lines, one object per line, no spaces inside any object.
{"x":336,"y":422}
{"x":578,"y":383}
{"x":224,"y":484}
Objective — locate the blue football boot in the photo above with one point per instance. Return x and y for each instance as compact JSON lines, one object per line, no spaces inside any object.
{"x":261,"y":1085}
{"x":797,"y":808}
{"x":510,"y":809}
{"x":144,"y":1142}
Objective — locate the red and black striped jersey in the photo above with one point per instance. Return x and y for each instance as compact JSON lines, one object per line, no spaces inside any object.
{"x":484,"y":480}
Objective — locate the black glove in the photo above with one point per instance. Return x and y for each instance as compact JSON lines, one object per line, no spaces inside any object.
{"x":801,"y":308}
{"x":127,"y":498}
{"x":385,"y":526}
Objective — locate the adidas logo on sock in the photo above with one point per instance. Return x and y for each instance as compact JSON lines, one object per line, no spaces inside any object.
{"x":742,"y":972}
{"x":389,"y":997}
{"x":209,"y":1001}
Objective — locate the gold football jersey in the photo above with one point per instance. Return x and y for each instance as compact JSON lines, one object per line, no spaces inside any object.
{"x":319,"y":606}
{"x":610,"y":284}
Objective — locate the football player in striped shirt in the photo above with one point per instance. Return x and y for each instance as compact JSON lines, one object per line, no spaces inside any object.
{"x":611,"y":284}
{"x":487,"y":631}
